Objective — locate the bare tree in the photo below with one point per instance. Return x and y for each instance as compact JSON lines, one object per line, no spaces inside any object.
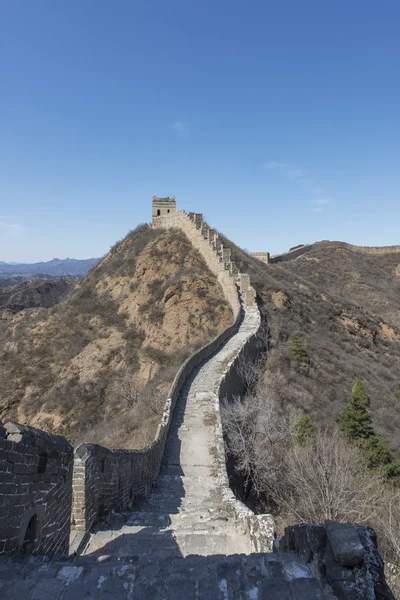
{"x":249,"y":371}
{"x":129,"y":390}
{"x":326,"y":479}
{"x":257,"y":433}
{"x":322,"y":479}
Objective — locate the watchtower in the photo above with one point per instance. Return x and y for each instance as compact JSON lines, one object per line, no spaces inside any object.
{"x":163,"y":206}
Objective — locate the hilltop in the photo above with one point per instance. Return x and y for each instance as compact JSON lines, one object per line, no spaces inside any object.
{"x":343,"y":302}
{"x":98,"y":366}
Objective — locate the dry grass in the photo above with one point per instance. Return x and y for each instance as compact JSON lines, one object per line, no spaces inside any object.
{"x":345,"y":307}
{"x":99,"y":365}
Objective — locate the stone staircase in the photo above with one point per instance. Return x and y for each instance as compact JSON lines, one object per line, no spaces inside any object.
{"x":186,"y":511}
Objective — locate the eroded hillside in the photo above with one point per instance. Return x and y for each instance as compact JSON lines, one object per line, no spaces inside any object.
{"x":99,"y":365}
{"x":345,"y":306}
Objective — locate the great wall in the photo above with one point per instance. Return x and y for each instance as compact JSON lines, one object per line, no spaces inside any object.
{"x":305,"y":248}
{"x":162,"y":522}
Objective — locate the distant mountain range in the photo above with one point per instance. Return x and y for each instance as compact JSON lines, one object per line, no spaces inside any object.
{"x":56,"y":267}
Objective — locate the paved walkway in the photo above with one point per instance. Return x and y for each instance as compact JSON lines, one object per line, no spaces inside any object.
{"x":185,"y":512}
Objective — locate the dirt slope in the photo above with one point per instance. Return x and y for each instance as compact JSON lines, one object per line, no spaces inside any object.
{"x":34,"y":293}
{"x":345,"y":305}
{"x":98,"y":366}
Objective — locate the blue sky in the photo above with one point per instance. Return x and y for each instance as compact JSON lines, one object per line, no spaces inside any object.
{"x":280,"y":121}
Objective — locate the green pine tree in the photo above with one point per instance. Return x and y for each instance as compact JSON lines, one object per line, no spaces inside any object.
{"x":375,"y":451}
{"x":302,"y":429}
{"x":397,"y":393}
{"x":355,"y":420}
{"x":298,"y":351}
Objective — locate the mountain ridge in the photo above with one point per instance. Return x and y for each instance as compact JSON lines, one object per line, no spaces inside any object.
{"x":55,"y":266}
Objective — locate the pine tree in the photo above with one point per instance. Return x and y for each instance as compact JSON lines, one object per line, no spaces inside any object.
{"x":298,"y":350}
{"x":397,"y":393}
{"x":376,"y":451}
{"x":302,"y":429}
{"x":355,"y":420}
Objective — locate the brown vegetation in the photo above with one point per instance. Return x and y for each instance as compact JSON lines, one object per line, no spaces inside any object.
{"x":98,"y":367}
{"x":310,"y":477}
{"x":33,"y":293}
{"x":344,"y":305}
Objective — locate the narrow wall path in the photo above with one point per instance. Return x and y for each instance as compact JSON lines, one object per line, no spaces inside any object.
{"x":186,"y":511}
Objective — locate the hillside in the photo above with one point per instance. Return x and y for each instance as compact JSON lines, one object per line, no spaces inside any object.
{"x":344,"y":304}
{"x":98,"y":366}
{"x":20,"y":294}
{"x":56,"y":267}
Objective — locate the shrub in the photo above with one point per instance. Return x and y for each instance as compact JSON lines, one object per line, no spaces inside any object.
{"x":355,"y":420}
{"x":302,"y":429}
{"x":298,"y":351}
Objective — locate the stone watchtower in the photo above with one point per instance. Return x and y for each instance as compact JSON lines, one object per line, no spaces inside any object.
{"x":163,"y":206}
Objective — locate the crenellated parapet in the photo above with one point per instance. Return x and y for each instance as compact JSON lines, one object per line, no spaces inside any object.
{"x":217,"y":256}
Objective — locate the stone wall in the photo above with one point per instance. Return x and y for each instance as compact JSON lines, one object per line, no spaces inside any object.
{"x":260,"y":528}
{"x":263,"y":256}
{"x":106,"y":479}
{"x":325,"y":244}
{"x":163,"y":206}
{"x":215,"y":254}
{"x":36,"y":491}
{"x":345,"y":556}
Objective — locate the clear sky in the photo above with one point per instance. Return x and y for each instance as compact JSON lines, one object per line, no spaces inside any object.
{"x":279,"y":120}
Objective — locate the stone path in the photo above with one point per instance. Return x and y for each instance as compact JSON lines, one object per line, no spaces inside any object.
{"x":185,"y":512}
{"x":180,"y":542}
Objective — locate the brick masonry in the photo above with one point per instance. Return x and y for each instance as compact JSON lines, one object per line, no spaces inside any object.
{"x":36,"y":491}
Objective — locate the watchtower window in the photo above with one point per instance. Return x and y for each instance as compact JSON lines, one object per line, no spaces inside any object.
{"x":42,"y":462}
{"x":168,"y":210}
{"x":30,"y":535}
{"x":159,"y":212}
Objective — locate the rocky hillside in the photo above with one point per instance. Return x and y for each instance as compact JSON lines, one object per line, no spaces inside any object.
{"x":345,"y":306}
{"x":32,"y":293}
{"x":98,"y":366}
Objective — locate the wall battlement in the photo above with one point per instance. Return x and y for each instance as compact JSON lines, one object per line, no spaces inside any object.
{"x":36,"y":491}
{"x":215,"y":254}
{"x":163,"y":206}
